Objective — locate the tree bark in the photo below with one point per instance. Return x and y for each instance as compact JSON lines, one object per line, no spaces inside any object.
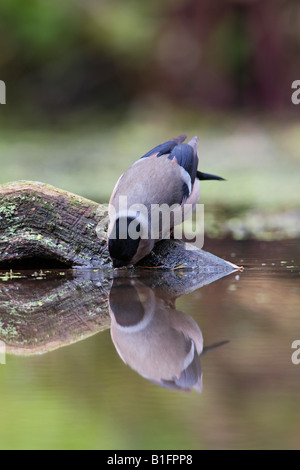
{"x":49,"y":227}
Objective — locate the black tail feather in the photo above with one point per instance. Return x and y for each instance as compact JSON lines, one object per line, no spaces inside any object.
{"x":207,"y":176}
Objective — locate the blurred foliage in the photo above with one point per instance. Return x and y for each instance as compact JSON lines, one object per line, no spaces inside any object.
{"x":103,"y":55}
{"x":58,"y":55}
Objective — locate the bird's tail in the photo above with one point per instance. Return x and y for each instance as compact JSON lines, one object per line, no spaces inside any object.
{"x":207,"y":176}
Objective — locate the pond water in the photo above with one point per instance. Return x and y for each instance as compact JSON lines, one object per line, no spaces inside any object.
{"x":226,"y":338}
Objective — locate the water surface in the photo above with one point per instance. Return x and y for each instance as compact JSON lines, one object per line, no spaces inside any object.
{"x":65,"y":383}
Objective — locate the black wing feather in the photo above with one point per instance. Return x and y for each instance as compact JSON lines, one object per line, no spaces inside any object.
{"x":166,"y":147}
{"x":187,"y":158}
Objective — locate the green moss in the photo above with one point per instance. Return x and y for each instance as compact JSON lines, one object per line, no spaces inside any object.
{"x":7,"y":210}
{"x":8,"y":331}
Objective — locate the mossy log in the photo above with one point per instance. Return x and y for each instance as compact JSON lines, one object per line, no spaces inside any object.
{"x":46,"y":226}
{"x":40,"y":221}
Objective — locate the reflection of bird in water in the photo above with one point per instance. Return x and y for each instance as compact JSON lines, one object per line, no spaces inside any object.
{"x":162,"y":344}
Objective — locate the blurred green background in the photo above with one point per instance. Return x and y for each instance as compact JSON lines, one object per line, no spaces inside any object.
{"x":92,"y":85}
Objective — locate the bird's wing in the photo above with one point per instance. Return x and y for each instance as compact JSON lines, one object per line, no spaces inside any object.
{"x":166,"y":147}
{"x":186,"y":156}
{"x":151,"y":181}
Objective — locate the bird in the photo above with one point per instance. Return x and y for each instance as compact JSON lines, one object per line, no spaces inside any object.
{"x":167,"y":176}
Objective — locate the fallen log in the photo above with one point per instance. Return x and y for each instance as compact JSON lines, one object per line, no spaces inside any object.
{"x":40,"y":222}
{"x":43,"y":227}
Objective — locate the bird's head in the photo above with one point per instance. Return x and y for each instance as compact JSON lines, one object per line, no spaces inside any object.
{"x":126,"y":243}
